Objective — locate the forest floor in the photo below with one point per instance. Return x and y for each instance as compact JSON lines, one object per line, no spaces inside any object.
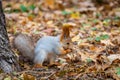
{"x":95,"y":38}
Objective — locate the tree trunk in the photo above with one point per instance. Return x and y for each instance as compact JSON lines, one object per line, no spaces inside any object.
{"x":8,"y":60}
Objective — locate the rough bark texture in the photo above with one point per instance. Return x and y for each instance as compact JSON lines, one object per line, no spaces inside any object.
{"x":8,"y":61}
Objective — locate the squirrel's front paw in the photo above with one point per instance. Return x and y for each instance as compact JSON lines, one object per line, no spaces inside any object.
{"x":66,"y":51}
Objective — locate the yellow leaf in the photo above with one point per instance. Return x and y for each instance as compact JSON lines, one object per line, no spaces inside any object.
{"x":75,"y":15}
{"x":7,"y":78}
{"x":76,"y":38}
{"x":50,"y":22}
{"x":69,"y":24}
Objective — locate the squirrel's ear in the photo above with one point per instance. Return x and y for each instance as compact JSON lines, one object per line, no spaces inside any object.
{"x":66,"y":30}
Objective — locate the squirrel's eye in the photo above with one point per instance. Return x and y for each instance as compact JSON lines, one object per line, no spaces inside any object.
{"x":68,"y":43}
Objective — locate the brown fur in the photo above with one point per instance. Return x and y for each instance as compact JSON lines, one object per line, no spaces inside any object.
{"x":65,"y":32}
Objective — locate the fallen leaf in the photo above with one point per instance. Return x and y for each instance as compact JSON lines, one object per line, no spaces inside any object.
{"x":75,"y":15}
{"x":50,"y":3}
{"x":107,"y":42}
{"x":69,"y":24}
{"x":76,"y":38}
{"x":113,"y":57}
{"x":8,"y":78}
{"x":28,"y":77}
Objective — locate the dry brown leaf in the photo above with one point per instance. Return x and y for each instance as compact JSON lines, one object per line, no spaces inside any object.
{"x":28,"y":77}
{"x":85,"y":56}
{"x":93,"y":48}
{"x":91,"y":69}
{"x":113,"y":57}
{"x":107,"y":42}
{"x":85,"y":45}
{"x":117,"y":11}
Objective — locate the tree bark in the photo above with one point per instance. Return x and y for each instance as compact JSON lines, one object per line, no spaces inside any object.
{"x":8,"y":60}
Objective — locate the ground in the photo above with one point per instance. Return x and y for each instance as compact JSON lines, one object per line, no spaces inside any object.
{"x":95,"y":38}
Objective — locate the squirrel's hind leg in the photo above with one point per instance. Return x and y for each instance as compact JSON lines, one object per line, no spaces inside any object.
{"x":52,"y":61}
{"x":40,"y":58}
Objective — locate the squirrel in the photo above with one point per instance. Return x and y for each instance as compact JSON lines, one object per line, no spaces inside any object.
{"x":47,"y":48}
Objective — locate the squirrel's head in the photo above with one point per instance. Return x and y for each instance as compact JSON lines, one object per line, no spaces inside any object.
{"x":66,"y":43}
{"x":65,"y":38}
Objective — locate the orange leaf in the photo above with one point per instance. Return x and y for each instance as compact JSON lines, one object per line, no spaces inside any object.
{"x":50,"y":3}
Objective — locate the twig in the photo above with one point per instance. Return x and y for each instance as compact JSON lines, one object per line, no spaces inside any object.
{"x":50,"y":75}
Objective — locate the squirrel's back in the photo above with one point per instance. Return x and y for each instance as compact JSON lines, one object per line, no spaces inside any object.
{"x":49,"y":43}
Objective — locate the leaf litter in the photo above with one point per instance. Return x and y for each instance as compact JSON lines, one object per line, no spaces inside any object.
{"x":95,"y":37}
